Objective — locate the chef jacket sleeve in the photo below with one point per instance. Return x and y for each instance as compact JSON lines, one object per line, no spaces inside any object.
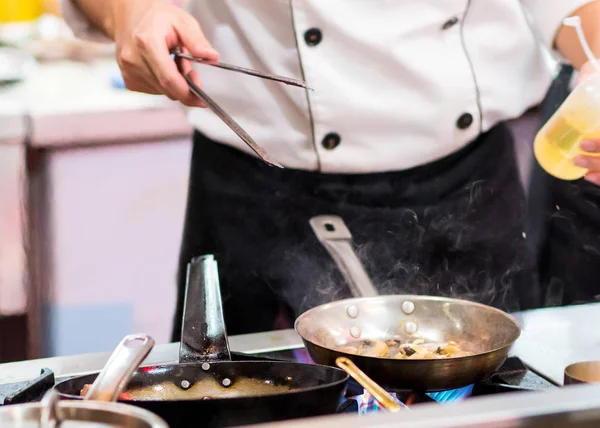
{"x":81,"y":26}
{"x":549,"y":14}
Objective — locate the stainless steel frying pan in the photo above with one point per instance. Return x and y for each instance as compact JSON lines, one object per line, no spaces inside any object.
{"x":487,"y":332}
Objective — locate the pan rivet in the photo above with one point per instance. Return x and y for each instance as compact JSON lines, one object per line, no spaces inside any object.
{"x":185,"y":384}
{"x":226,"y":382}
{"x":408,"y":307}
{"x":355,"y":331}
{"x":352,"y":311}
{"x":205,"y":366}
{"x":410,"y":327}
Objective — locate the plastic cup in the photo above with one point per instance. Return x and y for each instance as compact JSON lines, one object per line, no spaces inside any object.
{"x":578,"y":118}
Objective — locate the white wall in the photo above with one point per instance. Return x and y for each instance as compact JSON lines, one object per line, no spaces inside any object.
{"x":116,"y":216}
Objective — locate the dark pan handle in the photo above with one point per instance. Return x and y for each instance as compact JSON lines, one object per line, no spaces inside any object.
{"x":337,"y":240}
{"x":27,"y":391}
{"x":203,"y":335}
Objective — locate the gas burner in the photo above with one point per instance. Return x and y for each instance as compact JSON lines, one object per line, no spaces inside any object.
{"x":453,"y":395}
{"x":512,"y":376}
{"x":301,"y":355}
{"x":368,"y":404}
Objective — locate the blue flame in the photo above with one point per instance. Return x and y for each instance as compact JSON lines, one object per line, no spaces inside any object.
{"x":301,"y":355}
{"x":368,"y":404}
{"x":451,"y":396}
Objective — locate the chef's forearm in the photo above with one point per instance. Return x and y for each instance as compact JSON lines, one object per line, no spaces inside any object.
{"x":100,"y":13}
{"x":107,"y":14}
{"x":567,"y":42}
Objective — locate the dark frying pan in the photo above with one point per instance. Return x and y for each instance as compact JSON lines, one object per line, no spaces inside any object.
{"x":240,"y":392}
{"x":485,"y":331}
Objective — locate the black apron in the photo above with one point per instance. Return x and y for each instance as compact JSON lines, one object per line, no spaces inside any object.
{"x":454,"y":227}
{"x":570,"y":256}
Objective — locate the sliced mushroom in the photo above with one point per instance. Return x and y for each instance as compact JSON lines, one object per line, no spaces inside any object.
{"x":407,"y":350}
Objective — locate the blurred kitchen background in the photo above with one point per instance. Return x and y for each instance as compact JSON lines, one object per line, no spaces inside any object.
{"x":92,"y":192}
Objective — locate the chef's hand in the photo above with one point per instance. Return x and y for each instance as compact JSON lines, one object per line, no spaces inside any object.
{"x":592,"y":163}
{"x":144,"y":32}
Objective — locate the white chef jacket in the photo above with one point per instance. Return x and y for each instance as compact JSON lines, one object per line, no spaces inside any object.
{"x":397,"y":83}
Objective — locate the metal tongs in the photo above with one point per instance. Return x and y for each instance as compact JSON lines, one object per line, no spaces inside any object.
{"x":219,"y":111}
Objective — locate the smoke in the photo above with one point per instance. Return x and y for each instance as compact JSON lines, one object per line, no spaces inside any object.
{"x":426,"y":252}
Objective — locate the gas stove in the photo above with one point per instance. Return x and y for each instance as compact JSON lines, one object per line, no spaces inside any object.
{"x":513,"y":376}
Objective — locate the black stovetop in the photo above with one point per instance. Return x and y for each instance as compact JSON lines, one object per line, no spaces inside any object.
{"x":511,"y":377}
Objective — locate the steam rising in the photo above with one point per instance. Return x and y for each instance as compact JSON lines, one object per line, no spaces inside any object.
{"x":432,"y":254}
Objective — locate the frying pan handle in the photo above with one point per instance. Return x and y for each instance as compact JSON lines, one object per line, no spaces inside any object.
{"x":337,"y":240}
{"x":203,"y":334}
{"x":380,"y":394}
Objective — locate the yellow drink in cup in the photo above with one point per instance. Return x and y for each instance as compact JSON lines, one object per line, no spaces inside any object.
{"x":578,"y":118}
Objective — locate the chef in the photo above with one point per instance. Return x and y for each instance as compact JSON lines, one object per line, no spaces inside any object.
{"x":404,"y":137}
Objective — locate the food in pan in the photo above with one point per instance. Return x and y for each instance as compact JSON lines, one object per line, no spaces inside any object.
{"x":202,"y":389}
{"x":417,"y":350}
{"x":86,"y":388}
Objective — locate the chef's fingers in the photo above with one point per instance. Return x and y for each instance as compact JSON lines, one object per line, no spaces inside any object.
{"x":589,"y":162}
{"x":138,"y":82}
{"x":186,"y":69}
{"x":156,"y":53}
{"x":135,"y":72}
{"x":194,"y":100}
{"x":593,"y":177}
{"x":591,"y":146}
{"x":183,"y":95}
{"x":185,"y":65}
{"x":139,"y":85}
{"x":193,"y":39}
{"x":586,"y":70}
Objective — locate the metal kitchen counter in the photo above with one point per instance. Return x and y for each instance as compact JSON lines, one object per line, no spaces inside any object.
{"x":551,"y":339}
{"x":574,"y":407}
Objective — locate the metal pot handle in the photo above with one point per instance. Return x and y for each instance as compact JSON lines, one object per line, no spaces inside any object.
{"x":119,"y":368}
{"x":203,"y":333}
{"x":337,"y":240}
{"x":109,"y":383}
{"x":50,"y":415}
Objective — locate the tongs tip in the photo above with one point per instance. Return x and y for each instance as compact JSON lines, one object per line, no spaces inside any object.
{"x":278,"y":165}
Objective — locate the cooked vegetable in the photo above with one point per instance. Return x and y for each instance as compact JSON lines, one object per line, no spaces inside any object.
{"x":417,"y":350}
{"x":373,"y":348}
